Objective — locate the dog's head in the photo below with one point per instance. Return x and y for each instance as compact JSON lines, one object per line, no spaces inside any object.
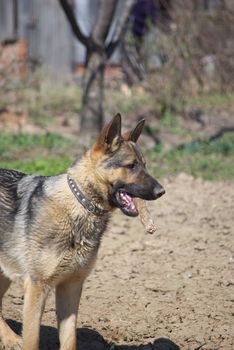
{"x":120,"y":165}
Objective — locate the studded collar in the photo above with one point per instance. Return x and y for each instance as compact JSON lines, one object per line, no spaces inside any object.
{"x":82,"y":199}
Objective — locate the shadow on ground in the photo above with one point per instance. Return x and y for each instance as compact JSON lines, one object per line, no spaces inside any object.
{"x":89,"y":339}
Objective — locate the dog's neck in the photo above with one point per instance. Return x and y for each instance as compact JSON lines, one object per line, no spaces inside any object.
{"x":83,"y":199}
{"x":82,"y":174}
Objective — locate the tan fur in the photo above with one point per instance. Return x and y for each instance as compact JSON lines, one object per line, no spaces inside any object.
{"x":34,"y":301}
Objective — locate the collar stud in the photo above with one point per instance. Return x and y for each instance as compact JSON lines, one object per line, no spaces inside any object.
{"x":82,"y":199}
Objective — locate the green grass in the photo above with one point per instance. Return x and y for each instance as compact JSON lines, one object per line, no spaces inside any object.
{"x":117,"y":100}
{"x":209,"y":160}
{"x":44,"y":107}
{"x":210,"y":100}
{"x":14,"y":143}
{"x":45,"y":154}
{"x":41,"y":165}
{"x":172,"y":123}
{"x":50,"y":154}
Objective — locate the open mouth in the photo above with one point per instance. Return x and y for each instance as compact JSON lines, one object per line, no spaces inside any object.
{"x":125,"y":203}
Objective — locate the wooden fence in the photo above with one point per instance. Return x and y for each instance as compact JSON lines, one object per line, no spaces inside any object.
{"x":43,"y":26}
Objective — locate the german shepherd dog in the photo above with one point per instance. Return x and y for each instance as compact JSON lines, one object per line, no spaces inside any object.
{"x":51,"y":228}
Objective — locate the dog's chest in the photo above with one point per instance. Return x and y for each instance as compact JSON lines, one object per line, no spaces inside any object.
{"x":88,"y":230}
{"x":77,"y":253}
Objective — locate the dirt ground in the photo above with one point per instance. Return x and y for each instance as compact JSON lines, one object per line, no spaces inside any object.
{"x":171,"y":290}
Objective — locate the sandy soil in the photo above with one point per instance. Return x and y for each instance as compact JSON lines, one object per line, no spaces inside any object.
{"x":170,"y":290}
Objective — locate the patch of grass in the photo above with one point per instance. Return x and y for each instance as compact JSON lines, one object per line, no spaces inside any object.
{"x":49,"y":102}
{"x":136,"y":99}
{"x":18,"y":143}
{"x":42,"y":98}
{"x":41,"y":165}
{"x":210,"y":160}
{"x":210,"y":100}
{"x":40,"y":116}
{"x":51,"y":154}
{"x":171,"y":122}
{"x":3,"y":105}
{"x":45,"y":154}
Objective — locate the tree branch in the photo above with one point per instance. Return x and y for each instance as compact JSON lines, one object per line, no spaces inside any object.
{"x":104,"y":20}
{"x":120,"y":28}
{"x":68,"y":10}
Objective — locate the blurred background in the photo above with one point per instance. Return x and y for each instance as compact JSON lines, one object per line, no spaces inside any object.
{"x":67,"y":66}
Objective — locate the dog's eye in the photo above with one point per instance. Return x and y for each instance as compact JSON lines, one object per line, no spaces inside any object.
{"x":132,"y":165}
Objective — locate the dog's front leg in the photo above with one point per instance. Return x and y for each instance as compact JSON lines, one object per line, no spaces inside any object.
{"x":67,"y":302}
{"x":34,"y":302}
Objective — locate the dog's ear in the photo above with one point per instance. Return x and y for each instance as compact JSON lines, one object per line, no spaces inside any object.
{"x":134,"y":134}
{"x":110,"y":138}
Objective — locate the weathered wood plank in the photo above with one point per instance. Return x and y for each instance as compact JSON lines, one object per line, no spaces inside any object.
{"x":7,"y":20}
{"x":50,"y":41}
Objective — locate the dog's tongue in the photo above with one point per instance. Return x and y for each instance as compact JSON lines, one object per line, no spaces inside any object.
{"x":127,"y":201}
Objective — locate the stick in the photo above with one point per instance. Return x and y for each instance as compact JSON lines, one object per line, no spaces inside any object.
{"x":145,"y":216}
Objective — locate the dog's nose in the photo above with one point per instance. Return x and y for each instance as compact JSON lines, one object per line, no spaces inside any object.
{"x":159,"y":191}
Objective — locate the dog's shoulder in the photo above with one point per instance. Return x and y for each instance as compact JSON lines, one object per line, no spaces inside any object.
{"x":18,"y":189}
{"x":9,"y":182}
{"x":10,"y":177}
